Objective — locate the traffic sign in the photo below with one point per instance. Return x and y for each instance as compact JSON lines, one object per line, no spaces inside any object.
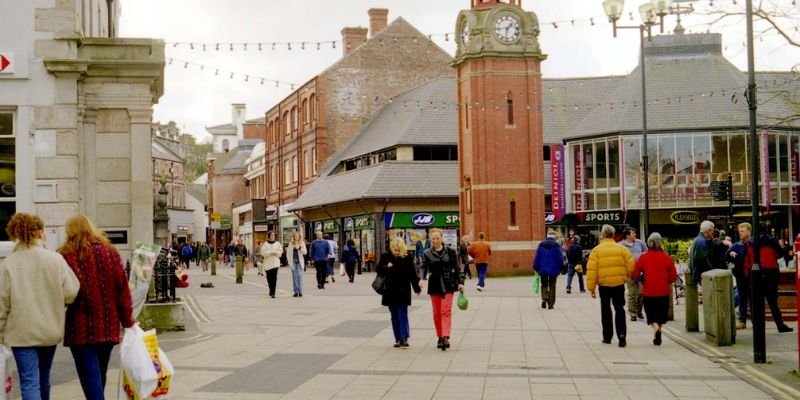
{"x":6,"y":63}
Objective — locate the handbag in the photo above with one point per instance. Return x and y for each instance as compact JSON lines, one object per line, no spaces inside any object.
{"x":579,"y":268}
{"x":379,"y":284}
{"x":537,"y":283}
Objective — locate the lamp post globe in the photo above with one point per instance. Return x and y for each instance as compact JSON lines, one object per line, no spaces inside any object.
{"x":613,"y":9}
{"x":661,"y":7}
{"x":648,"y":14}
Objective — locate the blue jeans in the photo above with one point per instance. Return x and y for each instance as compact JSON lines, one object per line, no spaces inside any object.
{"x":331,"y":261}
{"x":91,"y":361}
{"x":400,"y":322}
{"x":33,"y":364}
{"x":481,"y":267}
{"x":297,"y":277}
{"x":570,"y":273}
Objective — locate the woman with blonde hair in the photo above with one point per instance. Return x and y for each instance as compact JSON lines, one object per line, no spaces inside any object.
{"x":35,"y":285}
{"x":444,"y":280}
{"x":398,"y":268}
{"x":103,"y":304}
{"x":295,"y":254}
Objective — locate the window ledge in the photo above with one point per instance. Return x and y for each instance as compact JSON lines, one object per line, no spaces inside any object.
{"x":511,"y":126}
{"x":513,"y":228}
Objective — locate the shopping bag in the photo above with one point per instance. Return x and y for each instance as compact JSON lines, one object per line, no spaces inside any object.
{"x":579,"y":268}
{"x":146,"y":372}
{"x":5,"y":372}
{"x":537,"y":282}
{"x":462,"y":302}
{"x":341,"y":270}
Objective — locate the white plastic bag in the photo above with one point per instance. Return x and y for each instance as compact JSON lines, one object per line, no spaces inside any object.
{"x":136,"y":369}
{"x":5,"y":372}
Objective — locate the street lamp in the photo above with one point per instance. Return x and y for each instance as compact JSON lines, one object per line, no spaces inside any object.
{"x":648,"y":12}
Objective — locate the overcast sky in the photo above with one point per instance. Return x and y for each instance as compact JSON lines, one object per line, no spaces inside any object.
{"x":196,"y":98}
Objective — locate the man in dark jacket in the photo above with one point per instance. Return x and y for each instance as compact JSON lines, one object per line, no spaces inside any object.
{"x":547,"y":263}
{"x":574,"y":259}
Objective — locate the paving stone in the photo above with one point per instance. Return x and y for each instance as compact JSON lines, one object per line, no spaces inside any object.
{"x":358,"y":329}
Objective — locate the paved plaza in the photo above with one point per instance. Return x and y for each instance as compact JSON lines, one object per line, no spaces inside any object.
{"x":337,"y":344}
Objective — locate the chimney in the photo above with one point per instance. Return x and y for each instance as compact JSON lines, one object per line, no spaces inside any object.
{"x":352,"y":37}
{"x":238,"y":113}
{"x":378,"y":18}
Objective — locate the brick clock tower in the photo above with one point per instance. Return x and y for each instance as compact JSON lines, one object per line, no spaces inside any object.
{"x":500,"y":129}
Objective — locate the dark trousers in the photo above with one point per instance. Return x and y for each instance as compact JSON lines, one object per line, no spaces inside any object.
{"x":399,"y":322}
{"x":769,"y":286}
{"x":615,"y":295}
{"x":743,"y":289}
{"x":549,"y":289}
{"x":91,"y":362}
{"x":467,"y":271}
{"x":350,"y":268}
{"x":272,"y":280}
{"x":322,"y":272}
{"x":570,"y":274}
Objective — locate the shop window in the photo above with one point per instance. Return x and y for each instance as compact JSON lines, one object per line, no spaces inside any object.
{"x":613,"y":163}
{"x":783,"y":161}
{"x":8,"y":182}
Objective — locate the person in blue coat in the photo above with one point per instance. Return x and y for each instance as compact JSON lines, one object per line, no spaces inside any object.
{"x":547,"y":263}
{"x":350,"y":258}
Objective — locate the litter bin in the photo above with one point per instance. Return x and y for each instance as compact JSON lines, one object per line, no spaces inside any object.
{"x":718,"y":313}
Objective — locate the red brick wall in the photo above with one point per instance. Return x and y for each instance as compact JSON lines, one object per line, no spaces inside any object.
{"x":228,"y":190}
{"x":254,"y":131}
{"x":503,"y":163}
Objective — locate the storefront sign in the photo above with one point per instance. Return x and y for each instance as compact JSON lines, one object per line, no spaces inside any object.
{"x":261,"y":228}
{"x":363,"y":222}
{"x":550,"y":218}
{"x":685,"y":217}
{"x":794,"y":167}
{"x":580,"y":179}
{"x":604,"y":217}
{"x":422,"y":219}
{"x":330,"y":226}
{"x":557,"y":184}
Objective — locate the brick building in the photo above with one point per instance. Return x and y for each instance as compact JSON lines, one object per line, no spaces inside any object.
{"x":313,"y":122}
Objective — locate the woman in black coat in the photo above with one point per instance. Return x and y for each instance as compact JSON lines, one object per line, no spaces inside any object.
{"x":398,"y":268}
{"x":444,"y":280}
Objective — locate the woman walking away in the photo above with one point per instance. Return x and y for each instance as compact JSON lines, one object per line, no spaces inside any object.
{"x":296,"y":252}
{"x":350,"y":258}
{"x":398,"y":268}
{"x":271,"y":253}
{"x":103,"y":304}
{"x":35,"y":285}
{"x":445,"y":279}
{"x":657,"y":272}
{"x":610,"y":266}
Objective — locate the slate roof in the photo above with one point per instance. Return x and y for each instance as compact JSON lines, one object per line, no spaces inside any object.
{"x":161,"y":152}
{"x":199,"y":192}
{"x":403,"y":122}
{"x":256,"y":121}
{"x":393,"y":179}
{"x":224,"y":127}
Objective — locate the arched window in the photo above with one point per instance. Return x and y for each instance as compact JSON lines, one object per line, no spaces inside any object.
{"x":305,"y":111}
{"x":295,"y":124}
{"x":287,"y":126}
{"x":312,"y":104}
{"x":226,"y":145}
{"x":271,"y":134}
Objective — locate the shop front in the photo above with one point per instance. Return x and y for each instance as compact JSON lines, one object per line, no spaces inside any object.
{"x":361,"y":229}
{"x":414,"y":227}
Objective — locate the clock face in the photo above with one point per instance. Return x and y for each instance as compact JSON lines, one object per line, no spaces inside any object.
{"x":507,"y":28}
{"x":464,"y":34}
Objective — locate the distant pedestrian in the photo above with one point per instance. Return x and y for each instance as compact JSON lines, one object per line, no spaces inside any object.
{"x":204,"y":254}
{"x":186,"y":255}
{"x":319,"y":251}
{"x":736,"y":256}
{"x":445,"y":279}
{"x":547,"y":263}
{"x":575,"y":263}
{"x":637,"y":248}
{"x":350,"y":258}
{"x":241,"y":251}
{"x":610,"y":266}
{"x":230,"y":254}
{"x":334,"y":250}
{"x":657,"y":272}
{"x":103,"y":303}
{"x":258,"y":259}
{"x":195,"y":253}
{"x":295,"y":254}
{"x":701,"y":251}
{"x":401,"y":277}
{"x":768,"y":252}
{"x":464,"y":257}
{"x":271,"y":253}
{"x":422,"y":244}
{"x":481,"y":251}
{"x":35,"y":285}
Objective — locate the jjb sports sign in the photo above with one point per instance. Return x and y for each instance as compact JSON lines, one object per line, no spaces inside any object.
{"x":604,"y":217}
{"x":422,"y":220}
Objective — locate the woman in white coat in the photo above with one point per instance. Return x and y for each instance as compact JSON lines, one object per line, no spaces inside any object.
{"x":271,"y":252}
{"x":295,"y":254}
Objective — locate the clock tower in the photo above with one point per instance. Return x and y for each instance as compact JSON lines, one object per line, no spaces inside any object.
{"x":500,"y":130}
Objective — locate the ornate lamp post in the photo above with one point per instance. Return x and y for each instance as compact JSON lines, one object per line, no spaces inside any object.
{"x":161,"y":218}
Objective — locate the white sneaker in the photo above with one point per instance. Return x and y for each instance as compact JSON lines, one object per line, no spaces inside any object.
{"x":480,"y":289}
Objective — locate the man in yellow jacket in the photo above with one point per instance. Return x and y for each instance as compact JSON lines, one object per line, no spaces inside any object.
{"x":610,"y":266}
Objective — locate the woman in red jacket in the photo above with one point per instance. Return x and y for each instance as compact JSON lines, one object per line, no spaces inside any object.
{"x":656,"y":270}
{"x":103,"y":303}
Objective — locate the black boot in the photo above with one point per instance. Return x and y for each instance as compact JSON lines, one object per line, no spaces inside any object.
{"x":440,"y":343}
{"x":445,"y":343}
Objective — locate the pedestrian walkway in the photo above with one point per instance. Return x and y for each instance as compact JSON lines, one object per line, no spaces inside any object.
{"x":336,"y":343}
